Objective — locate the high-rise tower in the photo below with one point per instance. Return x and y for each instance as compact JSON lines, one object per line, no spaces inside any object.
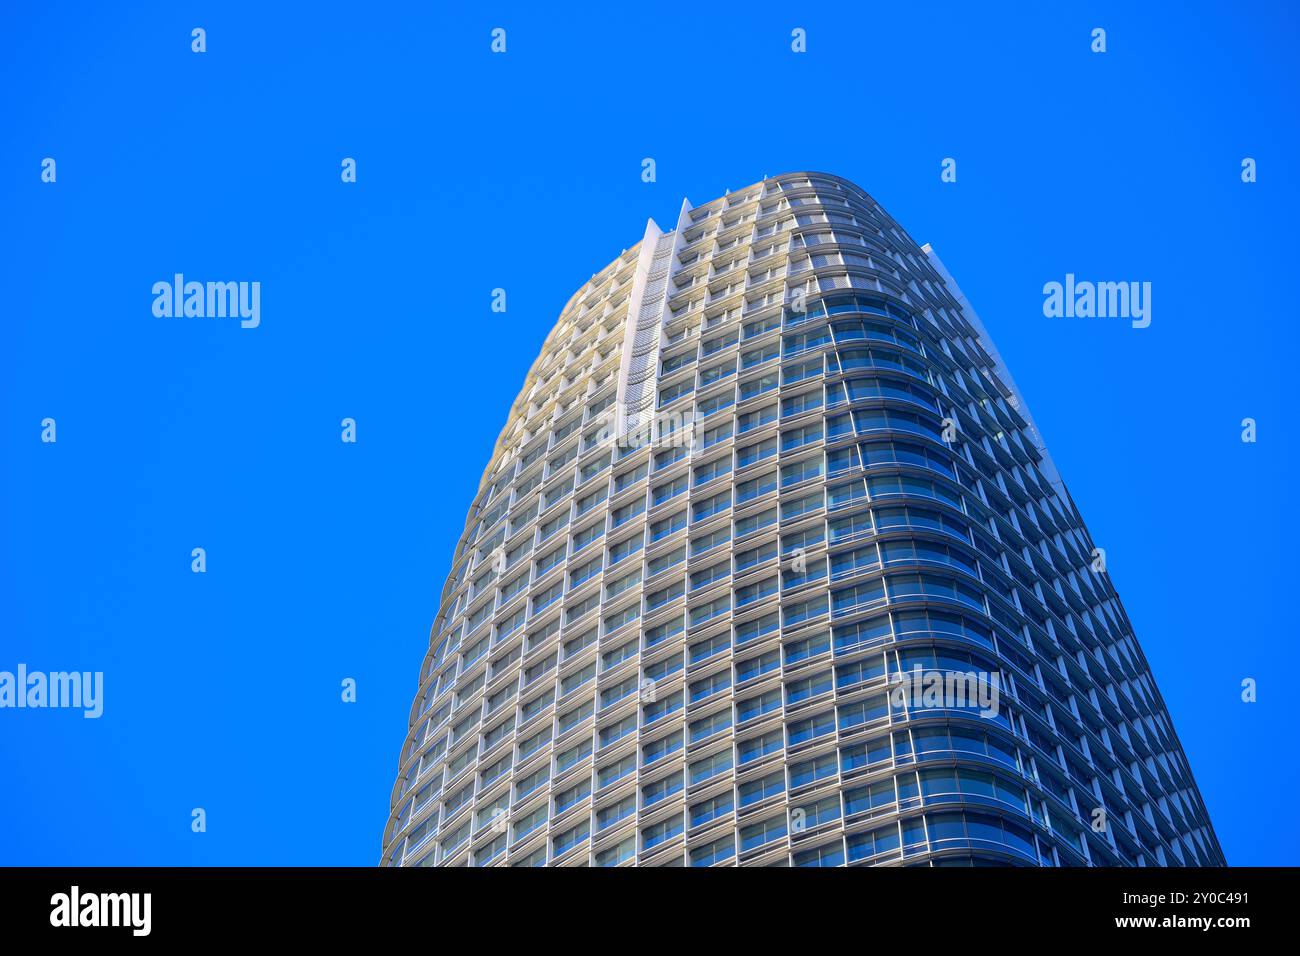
{"x":770,"y":566}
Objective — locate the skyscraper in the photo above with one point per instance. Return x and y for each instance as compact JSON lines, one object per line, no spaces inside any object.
{"x":770,"y":566}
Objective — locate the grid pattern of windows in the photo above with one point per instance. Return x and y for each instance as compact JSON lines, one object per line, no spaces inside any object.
{"x":690,"y":653}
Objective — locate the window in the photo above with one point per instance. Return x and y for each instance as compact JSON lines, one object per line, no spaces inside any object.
{"x":666,"y":561}
{"x":660,"y":790}
{"x":660,"y":709}
{"x":810,"y":771}
{"x":571,"y":838}
{"x":711,"y":809}
{"x":710,"y":766}
{"x":758,"y":747}
{"x":670,"y":490}
{"x":755,"y":522}
{"x":615,"y":855}
{"x":662,"y":832}
{"x":572,"y":796}
{"x":708,"y":686}
{"x":801,"y":690}
{"x":661,"y":748}
{"x":756,"y":419}
{"x":709,"y":541}
{"x":666,"y":526}
{"x":773,"y":828}
{"x":757,"y":666}
{"x":755,"y":453}
{"x":755,"y":488}
{"x":832,"y":854}
{"x":753,"y":707}
{"x":811,"y":727}
{"x":715,"y":852}
{"x":707,"y":612}
{"x":758,"y":790}
{"x":757,"y":386}
{"x":801,"y":471}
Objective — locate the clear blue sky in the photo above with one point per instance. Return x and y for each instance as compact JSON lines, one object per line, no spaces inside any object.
{"x":522,"y":171}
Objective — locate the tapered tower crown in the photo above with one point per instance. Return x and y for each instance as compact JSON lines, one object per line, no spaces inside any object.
{"x":771,"y":567}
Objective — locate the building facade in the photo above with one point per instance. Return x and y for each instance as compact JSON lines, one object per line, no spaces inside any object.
{"x":770,"y":567}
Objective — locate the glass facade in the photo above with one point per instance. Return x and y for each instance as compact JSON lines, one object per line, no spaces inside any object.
{"x":770,"y":567}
